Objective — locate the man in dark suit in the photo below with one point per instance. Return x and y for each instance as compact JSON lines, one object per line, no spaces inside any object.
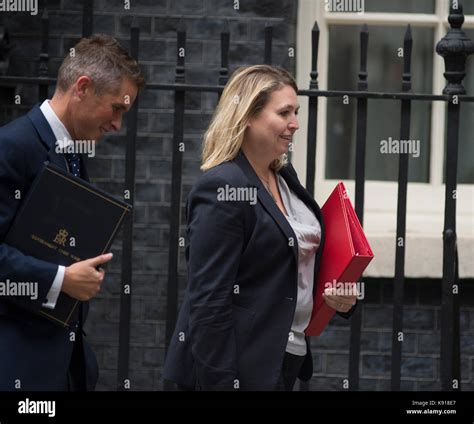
{"x":97,"y":83}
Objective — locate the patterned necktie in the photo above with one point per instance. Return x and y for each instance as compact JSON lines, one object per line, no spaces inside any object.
{"x":74,"y":161}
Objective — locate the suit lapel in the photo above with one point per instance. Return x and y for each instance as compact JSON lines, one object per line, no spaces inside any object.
{"x":268,"y":203}
{"x":48,"y":140}
{"x":271,"y":207}
{"x":47,"y":137}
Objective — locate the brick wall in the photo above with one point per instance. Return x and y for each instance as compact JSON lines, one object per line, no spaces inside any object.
{"x":420,"y":348}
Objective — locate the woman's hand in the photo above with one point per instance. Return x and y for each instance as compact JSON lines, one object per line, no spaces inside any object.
{"x":339,"y":302}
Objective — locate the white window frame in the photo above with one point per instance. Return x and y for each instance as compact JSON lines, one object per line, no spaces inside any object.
{"x":425,"y":202}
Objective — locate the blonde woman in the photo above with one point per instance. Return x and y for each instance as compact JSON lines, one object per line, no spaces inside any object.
{"x":254,"y":241}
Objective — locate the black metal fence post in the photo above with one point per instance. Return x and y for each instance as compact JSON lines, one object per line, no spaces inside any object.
{"x":44,"y":56}
{"x":268,"y":45}
{"x":312,"y":113}
{"x":225,"y":42}
{"x":127,"y":243}
{"x":400,"y":242}
{"x":455,"y":47}
{"x":87,"y":18}
{"x":176,"y":170}
{"x":356,"y":320}
{"x":312,"y":129}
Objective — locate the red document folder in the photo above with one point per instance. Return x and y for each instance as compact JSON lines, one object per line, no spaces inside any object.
{"x":346,"y":253}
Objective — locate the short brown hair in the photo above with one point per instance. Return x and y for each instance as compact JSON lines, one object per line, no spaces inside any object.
{"x":104,"y":60}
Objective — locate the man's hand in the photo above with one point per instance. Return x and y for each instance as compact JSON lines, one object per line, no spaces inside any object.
{"x":339,"y":302}
{"x":82,"y":280}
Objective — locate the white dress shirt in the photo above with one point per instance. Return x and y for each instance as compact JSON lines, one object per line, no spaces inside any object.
{"x":62,"y":138}
{"x":308,"y":233}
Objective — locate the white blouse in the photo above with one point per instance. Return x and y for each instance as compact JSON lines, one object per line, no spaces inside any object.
{"x":308,"y":232}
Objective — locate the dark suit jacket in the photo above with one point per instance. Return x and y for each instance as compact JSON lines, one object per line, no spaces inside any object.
{"x":240,"y":301}
{"x":33,"y":351}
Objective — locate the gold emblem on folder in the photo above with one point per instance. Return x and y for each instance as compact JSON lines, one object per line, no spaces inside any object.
{"x":61,"y":237}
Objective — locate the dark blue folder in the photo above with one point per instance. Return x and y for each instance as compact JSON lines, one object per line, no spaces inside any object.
{"x":63,"y":220}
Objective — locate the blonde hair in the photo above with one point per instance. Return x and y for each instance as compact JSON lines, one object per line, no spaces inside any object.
{"x":244,"y":96}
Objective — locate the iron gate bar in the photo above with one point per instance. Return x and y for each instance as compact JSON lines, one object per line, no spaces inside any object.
{"x":309,"y":93}
{"x":382,"y":96}
{"x":44,"y":57}
{"x":311,"y":139}
{"x":87,"y":18}
{"x":225,"y":43}
{"x":455,"y":47}
{"x":361,"y":138}
{"x":268,"y":45}
{"x":175,"y":218}
{"x":399,"y":280}
{"x":127,"y":242}
{"x":224,"y":71}
{"x":448,"y":326}
{"x":312,"y":131}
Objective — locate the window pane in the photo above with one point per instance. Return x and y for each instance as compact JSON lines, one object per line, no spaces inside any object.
{"x":400,"y":6}
{"x":385,"y":70}
{"x":468,"y":7}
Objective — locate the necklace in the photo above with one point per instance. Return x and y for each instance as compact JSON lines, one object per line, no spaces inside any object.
{"x":266,"y":183}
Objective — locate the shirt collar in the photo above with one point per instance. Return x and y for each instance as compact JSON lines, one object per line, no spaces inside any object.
{"x":63,"y":138}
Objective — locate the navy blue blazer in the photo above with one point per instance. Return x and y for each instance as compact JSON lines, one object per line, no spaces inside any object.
{"x":239,"y":304}
{"x":35,"y":354}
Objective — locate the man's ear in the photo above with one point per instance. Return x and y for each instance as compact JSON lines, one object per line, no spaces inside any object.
{"x":83,"y":86}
